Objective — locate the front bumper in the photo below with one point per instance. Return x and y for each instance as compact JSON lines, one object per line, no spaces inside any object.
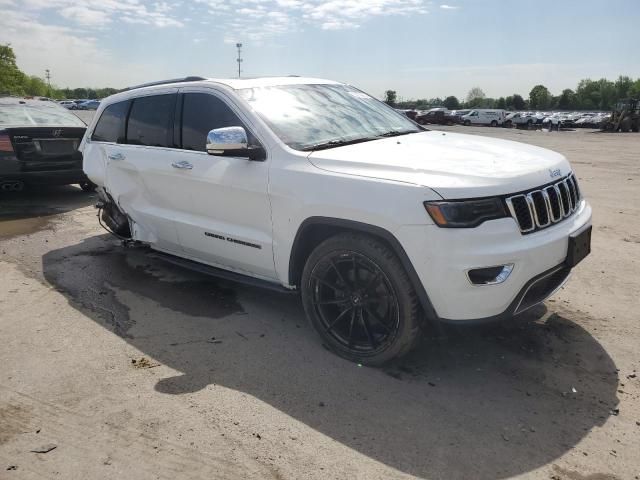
{"x":441,"y":258}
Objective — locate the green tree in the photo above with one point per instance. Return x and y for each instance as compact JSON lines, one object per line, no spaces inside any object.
{"x":539,"y":98}
{"x":475,"y":97}
{"x":607,"y":92}
{"x":452,"y":103}
{"x":11,"y":78}
{"x":501,"y":103}
{"x":36,"y":86}
{"x":518,"y":102}
{"x":488,"y":102}
{"x":567,"y":100}
{"x":80,"y":93}
{"x":623,"y":87}
{"x":390,"y":97}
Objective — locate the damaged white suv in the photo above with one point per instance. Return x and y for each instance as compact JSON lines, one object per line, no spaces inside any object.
{"x":314,"y":186}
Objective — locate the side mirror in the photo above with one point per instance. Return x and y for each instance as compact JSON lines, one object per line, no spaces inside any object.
{"x":233,"y":142}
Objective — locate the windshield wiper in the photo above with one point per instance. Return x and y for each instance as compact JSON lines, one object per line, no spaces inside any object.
{"x":336,"y":143}
{"x":396,"y":133}
{"x":341,"y":143}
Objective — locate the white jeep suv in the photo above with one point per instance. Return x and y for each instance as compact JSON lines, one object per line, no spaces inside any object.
{"x":311,"y":185}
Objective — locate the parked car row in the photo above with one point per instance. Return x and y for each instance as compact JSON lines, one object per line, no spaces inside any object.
{"x":503,"y":118}
{"x":83,"y":104}
{"x":442,"y":116}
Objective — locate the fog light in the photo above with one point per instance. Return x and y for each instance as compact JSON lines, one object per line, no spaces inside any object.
{"x":490,"y":275}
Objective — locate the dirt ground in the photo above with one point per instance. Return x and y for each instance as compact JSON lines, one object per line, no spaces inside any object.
{"x":135,"y":369}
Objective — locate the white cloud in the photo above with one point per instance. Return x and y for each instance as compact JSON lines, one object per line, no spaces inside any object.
{"x":84,"y":16}
{"x":96,"y":13}
{"x":444,"y":6}
{"x":258,"y":20}
{"x":66,"y":53}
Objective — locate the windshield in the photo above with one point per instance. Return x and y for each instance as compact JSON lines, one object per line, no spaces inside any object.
{"x":30,"y":115}
{"x":304,"y":116}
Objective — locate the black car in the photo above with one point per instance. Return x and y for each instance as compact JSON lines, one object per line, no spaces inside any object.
{"x":39,"y":145}
{"x":437,"y":117}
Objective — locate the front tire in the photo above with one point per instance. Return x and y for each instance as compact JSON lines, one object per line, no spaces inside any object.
{"x":360,"y":300}
{"x":467,"y":123}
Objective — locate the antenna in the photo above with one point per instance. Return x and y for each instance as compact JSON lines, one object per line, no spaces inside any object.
{"x":239,"y":59}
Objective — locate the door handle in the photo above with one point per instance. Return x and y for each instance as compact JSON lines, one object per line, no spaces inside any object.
{"x":116,"y":156}
{"x":183,"y":164}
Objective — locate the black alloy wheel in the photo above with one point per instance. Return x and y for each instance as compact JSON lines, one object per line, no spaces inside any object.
{"x":360,"y":300}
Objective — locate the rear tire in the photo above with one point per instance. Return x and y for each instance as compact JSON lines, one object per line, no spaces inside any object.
{"x":494,"y":123}
{"x":625,"y":125}
{"x":360,"y":300}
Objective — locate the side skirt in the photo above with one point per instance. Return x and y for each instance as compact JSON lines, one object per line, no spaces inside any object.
{"x":220,"y":273}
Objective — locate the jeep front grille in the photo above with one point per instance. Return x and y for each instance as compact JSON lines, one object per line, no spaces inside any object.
{"x":541,"y":208}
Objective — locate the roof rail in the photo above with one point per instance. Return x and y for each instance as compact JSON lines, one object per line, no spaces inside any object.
{"x":163,"y":82}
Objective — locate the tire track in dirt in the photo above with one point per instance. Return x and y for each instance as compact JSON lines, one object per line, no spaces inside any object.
{"x":102,"y":446}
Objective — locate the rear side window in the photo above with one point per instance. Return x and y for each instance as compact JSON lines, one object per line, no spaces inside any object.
{"x":201,"y":113}
{"x":151,"y":121}
{"x":110,"y":127}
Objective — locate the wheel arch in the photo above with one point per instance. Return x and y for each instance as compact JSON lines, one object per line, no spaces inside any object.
{"x":315,"y":230}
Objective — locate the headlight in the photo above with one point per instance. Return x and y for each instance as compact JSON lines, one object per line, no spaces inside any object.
{"x":465,"y":213}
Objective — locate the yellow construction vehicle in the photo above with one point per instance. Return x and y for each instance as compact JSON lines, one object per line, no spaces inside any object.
{"x":626,"y":117}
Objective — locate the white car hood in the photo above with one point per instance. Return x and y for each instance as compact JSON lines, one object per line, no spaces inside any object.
{"x":454,"y":165}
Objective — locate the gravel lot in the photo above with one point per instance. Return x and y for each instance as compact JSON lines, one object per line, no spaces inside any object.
{"x":135,"y":369}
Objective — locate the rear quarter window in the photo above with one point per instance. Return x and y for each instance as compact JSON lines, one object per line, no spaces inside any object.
{"x":111,"y":125}
{"x":151,"y":121}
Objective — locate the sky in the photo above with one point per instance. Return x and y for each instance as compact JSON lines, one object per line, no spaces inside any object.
{"x":419,"y":48}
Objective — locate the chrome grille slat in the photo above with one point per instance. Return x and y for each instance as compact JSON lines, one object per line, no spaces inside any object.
{"x":539,"y":208}
{"x":532,"y":209}
{"x":564,"y":195}
{"x":572,"y":192}
{"x":554,"y":203}
{"x":565,"y":187}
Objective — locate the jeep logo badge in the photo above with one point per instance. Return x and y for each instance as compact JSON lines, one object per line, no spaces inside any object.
{"x":554,"y":173}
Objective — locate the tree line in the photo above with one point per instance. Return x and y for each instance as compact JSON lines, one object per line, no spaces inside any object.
{"x":15,"y":82}
{"x":590,"y":94}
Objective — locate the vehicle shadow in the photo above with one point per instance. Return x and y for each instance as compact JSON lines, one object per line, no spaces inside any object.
{"x":481,"y":402}
{"x":37,"y":201}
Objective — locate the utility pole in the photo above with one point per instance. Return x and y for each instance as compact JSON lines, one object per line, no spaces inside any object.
{"x":239,"y":59}
{"x":47,"y":75}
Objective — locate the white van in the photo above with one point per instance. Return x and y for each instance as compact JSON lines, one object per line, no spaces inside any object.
{"x":483,"y":116}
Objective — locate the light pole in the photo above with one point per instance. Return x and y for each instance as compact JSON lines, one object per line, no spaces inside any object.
{"x":239,"y":59}
{"x":47,"y":75}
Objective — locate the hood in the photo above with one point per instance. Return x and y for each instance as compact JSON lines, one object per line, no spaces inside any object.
{"x":454,"y":165}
